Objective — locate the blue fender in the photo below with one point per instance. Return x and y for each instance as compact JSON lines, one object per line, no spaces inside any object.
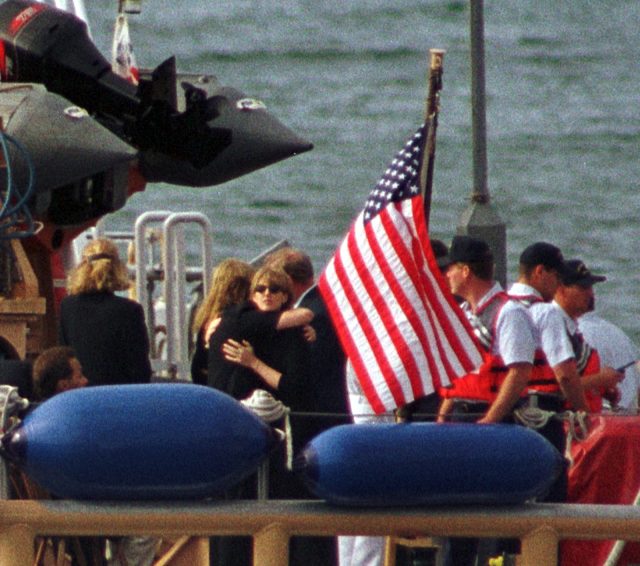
{"x":428,"y":463}
{"x":139,"y":442}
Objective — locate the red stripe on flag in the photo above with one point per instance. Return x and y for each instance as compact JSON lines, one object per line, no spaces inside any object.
{"x":456,"y":326}
{"x":399,"y":292}
{"x":379,"y":363}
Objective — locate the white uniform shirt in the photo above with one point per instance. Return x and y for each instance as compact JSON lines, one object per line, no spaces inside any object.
{"x":615,"y":349}
{"x":551,"y":324}
{"x":515,"y":335}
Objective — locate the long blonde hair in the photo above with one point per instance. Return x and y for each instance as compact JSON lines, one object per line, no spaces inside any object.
{"x":100,"y":270}
{"x":230,"y":282}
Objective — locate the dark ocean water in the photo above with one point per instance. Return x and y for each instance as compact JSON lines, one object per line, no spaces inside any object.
{"x":563,"y":84}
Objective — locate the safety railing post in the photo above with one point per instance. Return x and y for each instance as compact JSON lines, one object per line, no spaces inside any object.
{"x":142,"y":291}
{"x":540,"y":546}
{"x":16,"y":546}
{"x":271,"y":546}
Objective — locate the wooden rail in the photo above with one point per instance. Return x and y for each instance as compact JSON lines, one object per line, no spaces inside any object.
{"x":539,"y":526}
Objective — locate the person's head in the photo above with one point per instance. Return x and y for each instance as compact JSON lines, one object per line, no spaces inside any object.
{"x":541,"y":265}
{"x":271,"y":289}
{"x":470,"y":262}
{"x":296,"y":264}
{"x":99,"y":270}
{"x":575,"y":292}
{"x":230,"y":283}
{"x":56,"y":370}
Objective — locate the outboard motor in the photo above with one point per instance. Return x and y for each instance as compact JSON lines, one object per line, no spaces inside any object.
{"x":203,"y":135}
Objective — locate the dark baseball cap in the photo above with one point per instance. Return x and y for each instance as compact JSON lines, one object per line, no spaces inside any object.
{"x":467,"y":249}
{"x":441,"y":253}
{"x":577,"y":273}
{"x":543,"y":253}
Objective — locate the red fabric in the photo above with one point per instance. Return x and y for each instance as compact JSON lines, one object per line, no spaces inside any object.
{"x":606,"y":469}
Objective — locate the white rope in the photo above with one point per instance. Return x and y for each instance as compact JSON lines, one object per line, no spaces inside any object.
{"x":271,"y":410}
{"x":578,"y":429}
{"x":533,"y":417}
{"x":10,"y":404}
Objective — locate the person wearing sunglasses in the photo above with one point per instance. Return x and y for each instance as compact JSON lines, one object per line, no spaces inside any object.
{"x":261,"y":345}
{"x":260,"y":325}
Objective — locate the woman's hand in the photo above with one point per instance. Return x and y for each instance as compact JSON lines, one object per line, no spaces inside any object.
{"x":309,"y":333}
{"x":239,"y":353}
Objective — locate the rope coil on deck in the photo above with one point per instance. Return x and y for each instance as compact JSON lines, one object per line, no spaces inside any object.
{"x":271,"y":410}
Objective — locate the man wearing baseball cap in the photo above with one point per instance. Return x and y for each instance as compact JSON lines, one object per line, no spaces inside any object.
{"x":502,"y":326}
{"x":540,"y":270}
{"x":573,"y":298}
{"x":506,"y":332}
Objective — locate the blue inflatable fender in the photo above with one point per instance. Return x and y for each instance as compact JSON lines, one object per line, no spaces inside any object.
{"x":139,"y":442}
{"x":428,"y":463}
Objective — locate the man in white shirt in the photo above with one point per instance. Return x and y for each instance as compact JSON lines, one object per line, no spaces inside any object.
{"x":616,"y":349}
{"x":573,"y":298}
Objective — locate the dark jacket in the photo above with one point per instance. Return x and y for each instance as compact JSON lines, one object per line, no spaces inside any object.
{"x":109,"y":336}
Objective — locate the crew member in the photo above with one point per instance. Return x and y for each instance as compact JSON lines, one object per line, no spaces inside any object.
{"x":573,"y":298}
{"x":503,"y":327}
{"x":555,"y":382}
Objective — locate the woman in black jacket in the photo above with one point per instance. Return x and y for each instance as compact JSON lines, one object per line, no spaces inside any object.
{"x":108,"y":332}
{"x":230,"y":282}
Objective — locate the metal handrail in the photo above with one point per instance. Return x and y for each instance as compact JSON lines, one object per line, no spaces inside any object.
{"x":175,"y":276}
{"x":540,"y":526}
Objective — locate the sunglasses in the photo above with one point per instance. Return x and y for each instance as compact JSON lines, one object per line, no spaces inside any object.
{"x":272,"y":289}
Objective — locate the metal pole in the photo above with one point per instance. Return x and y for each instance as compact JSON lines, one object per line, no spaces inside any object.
{"x":432,"y":107}
{"x":478,"y":104}
{"x":479,"y":219}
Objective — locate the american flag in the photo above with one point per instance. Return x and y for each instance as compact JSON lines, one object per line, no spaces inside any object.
{"x":123,"y":61}
{"x":397,"y":321}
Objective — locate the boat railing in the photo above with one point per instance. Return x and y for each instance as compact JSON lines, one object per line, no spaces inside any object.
{"x":539,"y":526}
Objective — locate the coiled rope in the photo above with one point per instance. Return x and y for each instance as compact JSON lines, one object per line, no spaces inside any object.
{"x":271,"y":410}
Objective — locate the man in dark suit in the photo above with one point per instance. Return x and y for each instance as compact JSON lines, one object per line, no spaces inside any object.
{"x":326,"y":363}
{"x":326,"y":357}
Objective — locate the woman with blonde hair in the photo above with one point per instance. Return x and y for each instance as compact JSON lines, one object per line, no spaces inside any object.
{"x":107,"y":331}
{"x":230,"y":282}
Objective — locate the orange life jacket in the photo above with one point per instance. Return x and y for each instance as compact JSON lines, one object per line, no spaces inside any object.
{"x":543,"y":378}
{"x":484,"y":384}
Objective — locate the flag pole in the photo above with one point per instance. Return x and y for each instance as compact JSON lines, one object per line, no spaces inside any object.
{"x":432,"y":107}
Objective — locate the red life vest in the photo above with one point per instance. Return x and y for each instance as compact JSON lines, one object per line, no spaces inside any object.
{"x":485,"y":384}
{"x":543,"y":378}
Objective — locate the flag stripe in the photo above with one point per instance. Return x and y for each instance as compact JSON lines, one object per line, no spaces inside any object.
{"x":405,"y":295}
{"x":370,"y":321}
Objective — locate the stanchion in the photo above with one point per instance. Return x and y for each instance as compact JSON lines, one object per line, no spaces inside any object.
{"x":16,"y":546}
{"x":271,"y":546}
{"x":540,"y":546}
